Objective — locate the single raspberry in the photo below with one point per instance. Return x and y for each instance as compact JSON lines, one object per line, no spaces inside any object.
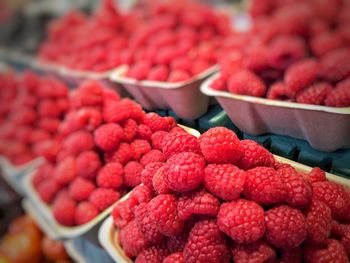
{"x":51,"y":87}
{"x":146,"y":226}
{"x":65,"y":171}
{"x":88,"y":118}
{"x":157,"y":139}
{"x":178,"y":75}
{"x":332,"y":251}
{"x":79,"y":142}
{"x":224,"y":180}
{"x":152,"y":157}
{"x":122,"y":155}
{"x":315,"y":94}
{"x":335,"y":65}
{"x":174,"y":258}
{"x":139,"y":148}
{"x":220,"y":145}
{"x":177,"y":129}
{"x":88,"y":93}
{"x":132,"y":174}
{"x":259,"y":251}
{"x":38,"y":135}
{"x":333,"y":195}
{"x":144,"y":132}
{"x":80,"y":189}
{"x":123,"y":213}
{"x":163,"y":211}
{"x":121,"y":111}
{"x":132,"y":240}
{"x":139,"y":70}
{"x":155,"y":122}
{"x":184,"y":171}
{"x":322,"y":43}
{"x":85,"y":213}
{"x":152,"y":254}
{"x":182,"y":63}
{"x":110,"y":176}
{"x":63,"y":210}
{"x":148,"y":173}
{"x":108,"y":136}
{"x":219,"y":84}
{"x":316,"y":175}
{"x":142,"y":194}
{"x":299,"y":191}
{"x":103,"y":198}
{"x":255,"y":155}
{"x":340,"y":96}
{"x":242,"y":220}
{"x":280,"y":91}
{"x":285,"y":227}
{"x":158,"y":73}
{"x":130,"y":130}
{"x":264,"y":186}
{"x":199,"y":66}
{"x":25,"y":116}
{"x":318,"y":222}
{"x":47,"y":190}
{"x":48,"y":108}
{"x":110,"y":94}
{"x":177,"y":243}
{"x":246,"y":82}
{"x":206,"y":241}
{"x":160,"y":183}
{"x":49,"y":124}
{"x":88,"y":163}
{"x":174,"y":143}
{"x":63,"y":104}
{"x":43,"y":173}
{"x":48,"y":149}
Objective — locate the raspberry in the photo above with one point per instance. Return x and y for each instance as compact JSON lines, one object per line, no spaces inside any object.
{"x":63,"y":104}
{"x":130,"y":130}
{"x":139,"y":70}
{"x":110,"y":94}
{"x":178,"y":75}
{"x":80,"y":189}
{"x":301,"y":74}
{"x":103,"y":198}
{"x":110,"y":176}
{"x":206,"y":242}
{"x":79,"y":142}
{"x":47,"y":149}
{"x":152,"y":156}
{"x":315,"y":94}
{"x":183,"y":63}
{"x":318,"y":222}
{"x":123,"y":212}
{"x":177,"y":243}
{"x":142,"y":194}
{"x":122,"y":110}
{"x":148,"y":173}
{"x":333,"y":195}
{"x":174,"y":143}
{"x":63,"y":210}
{"x":88,"y":163}
{"x":332,"y":251}
{"x":132,"y":240}
{"x":256,"y":59}
{"x":184,"y":171}
{"x":335,"y":65}
{"x":38,"y":136}
{"x":155,"y":122}
{"x":132,"y":174}
{"x":88,"y":118}
{"x":85,"y":213}
{"x":47,"y":190}
{"x":144,"y":132}
{"x":163,"y":212}
{"x":157,"y":139}
{"x":139,"y":148}
{"x":255,"y":155}
{"x":88,"y":93}
{"x":322,"y":43}
{"x":280,"y":91}
{"x":152,"y":254}
{"x":264,"y":186}
{"x":122,"y":155}
{"x":160,"y":183}
{"x":48,"y":108}
{"x":340,"y":96}
{"x":174,"y":258}
{"x":316,"y":175}
{"x":224,"y":180}
{"x":299,"y":191}
{"x":219,"y":84}
{"x":291,"y":255}
{"x":242,"y":220}
{"x":26,"y":116}
{"x":43,"y":172}
{"x":49,"y":124}
{"x":285,"y":227}
{"x":146,"y":225}
{"x":199,"y":65}
{"x":65,"y":171}
{"x":258,"y":251}
{"x":158,"y":73}
{"x":108,"y":136}
{"x":246,"y":82}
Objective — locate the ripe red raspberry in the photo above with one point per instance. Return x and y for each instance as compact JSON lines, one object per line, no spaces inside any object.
{"x":301,"y":74}
{"x":130,"y":130}
{"x":139,"y":70}
{"x":340,"y":96}
{"x":63,"y":210}
{"x":139,"y":148}
{"x":157,"y":139}
{"x":88,"y":163}
{"x":333,"y":251}
{"x":246,"y":82}
{"x":108,"y":136}
{"x":177,"y":243}
{"x":122,"y":155}
{"x":242,"y":220}
{"x":146,"y":226}
{"x":318,"y":222}
{"x":43,"y":173}
{"x":110,"y":176}
{"x":102,"y":198}
{"x":174,"y":143}
{"x":255,"y":155}
{"x":160,"y":183}
{"x":148,"y":173}
{"x":280,"y":91}
{"x":199,"y":66}
{"x":63,"y":104}
{"x":88,"y":118}
{"x":152,"y":254}
{"x":264,"y":186}
{"x":85,"y":213}
{"x":80,"y":189}
{"x":206,"y":241}
{"x":49,"y":124}
{"x":65,"y":171}
{"x":335,"y":65}
{"x":132,"y":174}
{"x":88,"y":93}
{"x":224,"y":180}
{"x":184,"y":171}
{"x":158,"y":73}
{"x":123,"y":212}
{"x":285,"y":227}
{"x":178,"y":75}
{"x":142,"y":194}
{"x":25,"y":116}
{"x":122,"y":110}
{"x":47,"y":190}
{"x":315,"y":94}
{"x":110,"y":94}
{"x":38,"y":136}
{"x":316,"y":175}
{"x":182,"y":63}
{"x":152,"y":156}
{"x":132,"y":240}
{"x":174,"y":258}
{"x":48,"y":108}
{"x":219,"y":84}
{"x":299,"y":191}
{"x":259,"y":251}
{"x":322,"y":43}
{"x":78,"y":142}
{"x":48,"y":149}
{"x":163,"y":211}
{"x":144,"y":132}
{"x":155,"y":122}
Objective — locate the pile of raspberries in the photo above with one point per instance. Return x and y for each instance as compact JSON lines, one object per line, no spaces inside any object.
{"x":31,"y":109}
{"x":297,"y":51}
{"x":105,"y":143}
{"x":218,"y":199}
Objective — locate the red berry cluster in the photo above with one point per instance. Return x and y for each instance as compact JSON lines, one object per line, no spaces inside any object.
{"x":220,"y":198}
{"x":296,"y":51}
{"x":106,"y":143}
{"x":31,"y":109}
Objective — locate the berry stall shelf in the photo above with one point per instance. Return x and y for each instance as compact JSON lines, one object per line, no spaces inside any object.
{"x":184,"y":97}
{"x":325,"y":128}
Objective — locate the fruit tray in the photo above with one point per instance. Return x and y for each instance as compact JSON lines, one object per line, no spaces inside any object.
{"x":257,"y":116}
{"x":184,"y":97}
